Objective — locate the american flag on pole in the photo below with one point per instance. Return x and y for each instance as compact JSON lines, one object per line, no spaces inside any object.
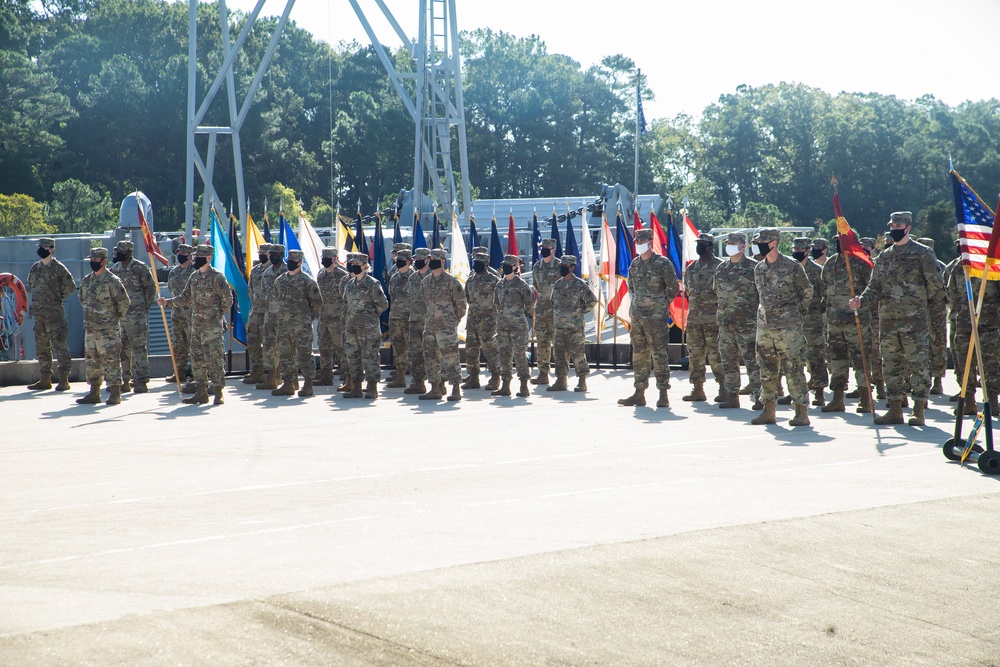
{"x":975,"y":227}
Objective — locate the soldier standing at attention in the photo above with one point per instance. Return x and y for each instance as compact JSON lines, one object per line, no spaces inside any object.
{"x":702,"y":322}
{"x":483,"y":250}
{"x":737,"y":317}
{"x":365,"y":302}
{"x":269,"y":341}
{"x":544,"y":274}
{"x":481,"y":327}
{"x":138,"y":281}
{"x":180,"y":316}
{"x":571,"y":300}
{"x":50,"y":282}
{"x":105,"y":304}
{"x":331,"y":317}
{"x":961,"y":328}
{"x":819,"y":251}
{"x":939,"y":328}
{"x":784,"y":292}
{"x":258,"y":311}
{"x":652,"y":283}
{"x":906,"y":280}
{"x":209,"y":297}
{"x":812,"y":325}
{"x":301,"y":303}
{"x":445,"y":301}
{"x":418,"y":314}
{"x":399,"y":318}
{"x":513,"y":301}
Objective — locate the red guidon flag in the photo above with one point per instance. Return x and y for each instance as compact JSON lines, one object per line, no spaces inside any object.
{"x":846,"y":237}
{"x":147,"y":236}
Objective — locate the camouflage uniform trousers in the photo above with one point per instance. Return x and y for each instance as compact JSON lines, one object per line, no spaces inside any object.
{"x":702,"y":344}
{"x":180,"y":339}
{"x":295,"y":340}
{"x":939,"y":339}
{"x":399,"y":339}
{"x":441,"y":355}
{"x":331,"y":341}
{"x":418,"y":370}
{"x":135,"y":347}
{"x":544,"y":333}
{"x":255,"y":338}
{"x":513,"y":345}
{"x":816,"y":352}
{"x":989,"y":340}
{"x":51,"y":332}
{"x":736,"y":342}
{"x":361,"y":353}
{"x":782,"y":350}
{"x":102,"y":350}
{"x":875,"y":350}
{"x":845,"y":352}
{"x":208,"y":356}
{"x":906,"y":360}
{"x":650,"y":339}
{"x":269,"y":342}
{"x":567,"y":346}
{"x":481,"y":336}
{"x":959,"y":351}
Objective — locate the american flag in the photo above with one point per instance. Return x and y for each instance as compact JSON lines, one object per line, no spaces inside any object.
{"x":975,"y":226}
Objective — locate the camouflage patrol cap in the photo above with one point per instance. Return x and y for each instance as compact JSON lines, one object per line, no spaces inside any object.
{"x":277,"y":247}
{"x":98,"y":253}
{"x":820,"y":243}
{"x":511,"y":260}
{"x":295,"y":255}
{"x":421,"y":253}
{"x":46,"y":242}
{"x":644,"y":235}
{"x":396,"y":247}
{"x":767,"y":234}
{"x":736,"y":238}
{"x":404,"y":253}
{"x":481,"y":256}
{"x":548,"y":243}
{"x":330,"y":253}
{"x":264,"y":247}
{"x":705,"y":237}
{"x":124,"y":246}
{"x":802,"y":243}
{"x":480,"y":249}
{"x":923,"y":240}
{"x":438,"y":253}
{"x":867,"y":242}
{"x":568,"y":260}
{"x":184,"y":249}
{"x":204,"y":251}
{"x":900,"y":218}
{"x":360,"y":257}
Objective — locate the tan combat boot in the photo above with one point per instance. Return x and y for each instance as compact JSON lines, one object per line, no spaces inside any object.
{"x":820,"y":399}
{"x":746,"y":390}
{"x":722,"y":397}
{"x":880,"y":390}
{"x":63,"y":382}
{"x":346,"y":385}
{"x":857,"y":393}
{"x":918,"y":413}
{"x":836,"y":403}
{"x":865,"y":404}
{"x":581,"y":384}
{"x":200,"y":396}
{"x":189,"y":387}
{"x":287,"y":388}
{"x":638,"y":398}
{"x":524,"y":391}
{"x":543,"y":377}
{"x":732,"y":401}
{"x":801,"y":417}
{"x":936,"y":388}
{"x":93,"y":397}
{"x":893,"y":416}
{"x":45,"y":382}
{"x":125,"y":388}
{"x":663,"y":401}
{"x":494,"y":381}
{"x":416,"y":387}
{"x":472,"y":382}
{"x":697,"y":393}
{"x":456,"y":392}
{"x":270,"y":381}
{"x":435,"y":393}
{"x":324,"y":378}
{"x":114,"y":397}
{"x":768,"y":414}
{"x":503,"y":390}
{"x":371,"y":389}
{"x":971,"y":408}
{"x":217,"y":396}
{"x":560,"y":385}
{"x":140,"y":387}
{"x":355,"y":390}
{"x":397,"y":382}
{"x":255,"y":377}
{"x":307,"y":388}
{"x":994,"y":407}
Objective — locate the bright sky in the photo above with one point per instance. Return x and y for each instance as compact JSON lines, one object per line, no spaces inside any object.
{"x":692,"y":52}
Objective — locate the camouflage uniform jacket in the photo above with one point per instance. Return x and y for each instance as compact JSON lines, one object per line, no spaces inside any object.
{"x":176,"y":280}
{"x":834,"y":290}
{"x":444,"y":299}
{"x":737,"y":293}
{"x":543,"y":278}
{"x":105,"y":301}
{"x":331,"y":290}
{"x":365,"y":301}
{"x":271,"y":274}
{"x":479,"y":290}
{"x":571,"y":300}
{"x":418,"y":308}
{"x":813,"y":314}
{"x":699,"y":281}
{"x":513,"y":300}
{"x":399,"y":292}
{"x":208,"y":296}
{"x":138,"y":281}
{"x":255,"y":285}
{"x":49,"y":286}
{"x":653,"y":285}
{"x":905,"y":281}
{"x":784,"y":291}
{"x":299,"y":298}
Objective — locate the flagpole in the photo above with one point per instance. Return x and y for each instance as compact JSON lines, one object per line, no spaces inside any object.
{"x":163,"y":311}
{"x":638,"y":93}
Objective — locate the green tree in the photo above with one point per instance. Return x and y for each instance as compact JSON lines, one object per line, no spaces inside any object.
{"x":20,"y":215}
{"x":77,"y":207}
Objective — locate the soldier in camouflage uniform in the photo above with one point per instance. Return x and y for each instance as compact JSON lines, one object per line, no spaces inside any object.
{"x":513,"y":301}
{"x":812,"y":325}
{"x":269,"y":341}
{"x":50,"y":282}
{"x":819,"y":251}
{"x":737,"y":316}
{"x":961,"y":328}
{"x":939,"y":328}
{"x":331,"y":317}
{"x":301,"y":303}
{"x":872,"y":336}
{"x":544,"y":274}
{"x":365,"y":301}
{"x":834,"y":291}
{"x":446,"y":306}
{"x":180,"y":316}
{"x":399,"y":314}
{"x":105,"y":304}
{"x":255,"y":321}
{"x":702,"y":322}
{"x":418,"y":314}
{"x":785,"y":292}
{"x":906,"y":280}
{"x":139,"y":283}
{"x":396,"y":247}
{"x":572,"y":299}
{"x":483,"y":250}
{"x":481,"y":327}
{"x":652,"y":284}
{"x":208,"y":296}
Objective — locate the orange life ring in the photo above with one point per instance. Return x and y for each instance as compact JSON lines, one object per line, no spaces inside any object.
{"x":9,"y":280}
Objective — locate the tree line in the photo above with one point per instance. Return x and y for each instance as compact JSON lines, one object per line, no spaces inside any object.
{"x":93,"y":106}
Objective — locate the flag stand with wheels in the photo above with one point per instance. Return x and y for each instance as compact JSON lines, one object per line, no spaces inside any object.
{"x":988,"y":459}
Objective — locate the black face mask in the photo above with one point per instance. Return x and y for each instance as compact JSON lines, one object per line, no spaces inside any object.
{"x":117,"y":257}
{"x":292,"y":264}
{"x":43,"y":252}
{"x":400,"y":263}
{"x":479,"y":266}
{"x":897,"y":234}
{"x":508,"y":269}
{"x":816,"y":253}
{"x":798,"y":255}
{"x":327,"y":262}
{"x":264,"y":259}
{"x":763,"y":248}
{"x":182,"y":258}
{"x":420,"y":263}
{"x":565,"y":270}
{"x":96,"y":266}
{"x":435,"y":264}
{"x":546,"y":252}
{"x":200,"y":262}
{"x":703,"y":249}
{"x":355,"y":269}
{"x":275,"y":258}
